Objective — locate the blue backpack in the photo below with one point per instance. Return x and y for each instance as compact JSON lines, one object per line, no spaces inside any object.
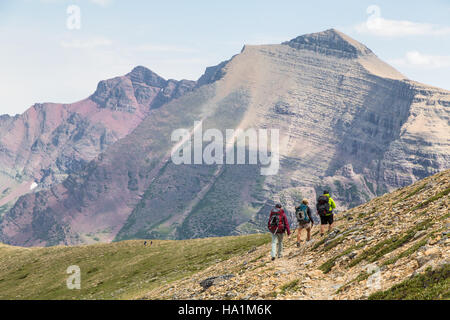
{"x":301,"y":213}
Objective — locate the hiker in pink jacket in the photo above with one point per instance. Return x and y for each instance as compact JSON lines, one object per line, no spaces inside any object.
{"x":278,"y":225}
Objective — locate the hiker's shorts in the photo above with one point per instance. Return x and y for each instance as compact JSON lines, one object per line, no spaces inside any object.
{"x":304,"y":225}
{"x":326,"y":219}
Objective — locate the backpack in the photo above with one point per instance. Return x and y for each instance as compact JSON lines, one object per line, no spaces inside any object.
{"x":276,"y":223}
{"x":323,"y":205}
{"x":301,"y":213}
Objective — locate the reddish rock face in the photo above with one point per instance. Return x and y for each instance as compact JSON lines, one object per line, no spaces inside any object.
{"x":50,"y":141}
{"x":348,"y":123}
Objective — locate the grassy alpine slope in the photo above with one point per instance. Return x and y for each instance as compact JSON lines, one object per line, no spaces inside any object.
{"x":119,"y":270}
{"x":402,"y":236}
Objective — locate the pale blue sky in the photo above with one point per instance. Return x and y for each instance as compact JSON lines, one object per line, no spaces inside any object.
{"x":42,"y":60}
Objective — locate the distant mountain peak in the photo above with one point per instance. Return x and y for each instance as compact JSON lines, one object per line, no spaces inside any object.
{"x":141,"y":74}
{"x":377,"y":132}
{"x":330,"y":42}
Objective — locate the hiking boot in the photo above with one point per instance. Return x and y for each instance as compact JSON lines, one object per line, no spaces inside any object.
{"x":298,"y":244}
{"x":273,"y":258}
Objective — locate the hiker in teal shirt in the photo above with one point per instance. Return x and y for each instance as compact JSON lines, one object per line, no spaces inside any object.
{"x":304,"y":219}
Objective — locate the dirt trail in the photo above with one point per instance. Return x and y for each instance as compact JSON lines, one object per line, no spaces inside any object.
{"x":371,"y":248}
{"x":257,"y":277}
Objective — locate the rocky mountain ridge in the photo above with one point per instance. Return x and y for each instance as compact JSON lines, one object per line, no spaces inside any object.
{"x":330,"y":42}
{"x":348,"y":122}
{"x":379,"y":249}
{"x":49,"y":141}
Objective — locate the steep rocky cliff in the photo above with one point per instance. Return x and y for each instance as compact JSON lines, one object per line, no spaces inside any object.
{"x":347,"y":121}
{"x":49,"y":141}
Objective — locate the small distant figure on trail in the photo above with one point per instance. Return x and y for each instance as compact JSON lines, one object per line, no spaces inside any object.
{"x":304,"y":219}
{"x":145,"y":243}
{"x":325,"y":205}
{"x":278,"y":225}
{"x":151,"y":242}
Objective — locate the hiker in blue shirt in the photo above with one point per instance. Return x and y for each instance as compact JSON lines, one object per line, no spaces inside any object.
{"x":304,"y":219}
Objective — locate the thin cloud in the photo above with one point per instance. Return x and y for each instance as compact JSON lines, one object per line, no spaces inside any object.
{"x":417,"y":59}
{"x":102,"y":3}
{"x":185,"y":61}
{"x":379,"y":26}
{"x":85,"y":44}
{"x":164,"y":48}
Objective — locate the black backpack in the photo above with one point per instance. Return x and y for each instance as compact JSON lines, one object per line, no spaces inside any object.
{"x":323,"y":205}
